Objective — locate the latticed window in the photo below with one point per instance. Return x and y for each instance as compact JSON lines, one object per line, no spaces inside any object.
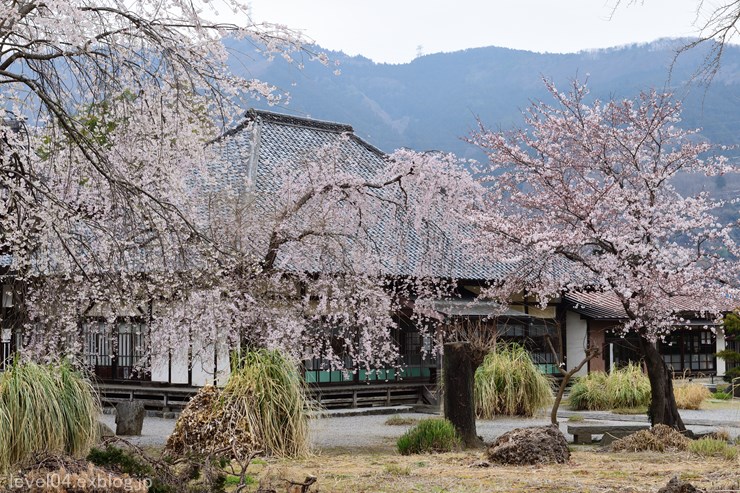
{"x":115,"y":351}
{"x":9,"y":325}
{"x":5,"y":347}
{"x":533,"y":335}
{"x":690,"y":350}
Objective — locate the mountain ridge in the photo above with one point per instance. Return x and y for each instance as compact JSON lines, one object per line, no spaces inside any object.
{"x":433,"y":102}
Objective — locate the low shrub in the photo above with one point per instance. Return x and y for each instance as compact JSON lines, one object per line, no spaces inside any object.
{"x":272,"y":383}
{"x":127,"y":464}
{"x":690,"y":395}
{"x":45,"y":409}
{"x":628,"y":387}
{"x":232,"y":480}
{"x":115,"y":459}
{"x":722,"y":396}
{"x":732,"y":374}
{"x":509,"y":383}
{"x":434,"y":435}
{"x":712,"y":447}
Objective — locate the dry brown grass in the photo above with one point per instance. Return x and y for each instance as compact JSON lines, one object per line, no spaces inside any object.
{"x":588,"y":471}
{"x":690,"y":395}
{"x":660,"y":438}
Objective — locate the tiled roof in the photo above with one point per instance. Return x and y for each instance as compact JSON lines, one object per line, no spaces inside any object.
{"x":596,"y":305}
{"x":252,"y":151}
{"x":606,"y":306}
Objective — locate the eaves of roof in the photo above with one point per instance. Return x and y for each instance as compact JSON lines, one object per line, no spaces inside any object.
{"x":599,"y":305}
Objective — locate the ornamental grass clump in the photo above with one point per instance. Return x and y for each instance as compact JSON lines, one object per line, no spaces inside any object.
{"x":508,"y":383}
{"x":624,"y":388}
{"x":262,"y":407}
{"x":628,"y":387}
{"x":272,"y":384}
{"x":45,"y":409}
{"x":589,"y":392}
{"x":690,"y":395}
{"x":433,"y":435}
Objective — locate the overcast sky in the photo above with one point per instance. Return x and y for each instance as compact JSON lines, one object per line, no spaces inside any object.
{"x":392,"y":30}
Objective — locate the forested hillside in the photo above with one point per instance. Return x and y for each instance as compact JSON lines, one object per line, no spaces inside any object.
{"x":434,"y":101}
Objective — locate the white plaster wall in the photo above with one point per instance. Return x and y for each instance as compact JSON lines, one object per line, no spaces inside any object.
{"x":179,"y":364}
{"x":160,"y":367}
{"x":203,"y":368}
{"x":224,"y":364}
{"x":206,"y":369}
{"x":202,"y":365}
{"x":721,"y":365}
{"x":161,"y":363}
{"x":576,"y":339}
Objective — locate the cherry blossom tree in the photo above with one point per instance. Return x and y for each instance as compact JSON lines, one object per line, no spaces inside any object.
{"x":108,"y":109}
{"x":317,"y":266}
{"x":583,"y":196}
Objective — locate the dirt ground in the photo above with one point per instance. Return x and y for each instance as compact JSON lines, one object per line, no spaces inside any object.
{"x":358,"y":455}
{"x":589,"y":470}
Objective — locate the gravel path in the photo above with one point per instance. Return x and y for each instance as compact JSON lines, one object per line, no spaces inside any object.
{"x":370,"y":431}
{"x":154,"y":432}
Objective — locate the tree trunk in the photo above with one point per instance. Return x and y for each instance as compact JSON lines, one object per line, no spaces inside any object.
{"x":558,"y":399}
{"x":663,"y":408}
{"x":458,"y":388}
{"x":591,"y":352}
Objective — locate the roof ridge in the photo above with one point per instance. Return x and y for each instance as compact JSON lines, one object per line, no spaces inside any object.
{"x":254,"y":114}
{"x":257,"y":117}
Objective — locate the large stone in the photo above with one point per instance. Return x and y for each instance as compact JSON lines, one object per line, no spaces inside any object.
{"x":526,"y":446}
{"x":104,"y":431}
{"x":129,"y":418}
{"x":675,"y":485}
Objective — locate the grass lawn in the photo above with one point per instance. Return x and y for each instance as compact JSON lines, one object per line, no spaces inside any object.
{"x":732,"y":404}
{"x":590,"y":470}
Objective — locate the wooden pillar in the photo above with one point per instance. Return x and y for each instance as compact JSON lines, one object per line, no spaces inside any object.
{"x":597,"y":338}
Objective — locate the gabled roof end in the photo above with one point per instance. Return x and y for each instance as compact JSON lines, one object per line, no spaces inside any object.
{"x":268,"y":116}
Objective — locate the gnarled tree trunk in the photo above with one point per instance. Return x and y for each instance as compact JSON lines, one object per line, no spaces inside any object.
{"x":459,"y":391}
{"x":663,"y":408}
